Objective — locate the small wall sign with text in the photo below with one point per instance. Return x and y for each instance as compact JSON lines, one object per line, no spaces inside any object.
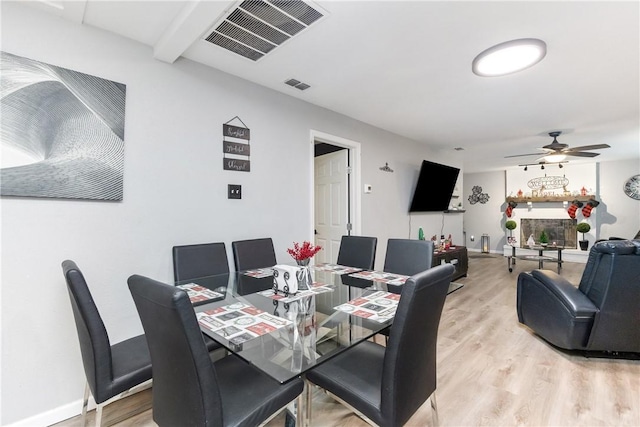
{"x":236,"y":147}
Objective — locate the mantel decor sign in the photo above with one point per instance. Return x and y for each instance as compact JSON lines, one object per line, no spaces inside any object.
{"x":62,"y":132}
{"x":541,"y":185}
{"x":236,"y":147}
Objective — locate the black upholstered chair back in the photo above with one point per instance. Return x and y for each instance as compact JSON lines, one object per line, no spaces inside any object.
{"x":408,"y":257}
{"x":255,"y":253}
{"x":358,"y":251}
{"x":611,"y":280}
{"x":409,"y":371}
{"x":185,"y":391}
{"x":94,"y":341}
{"x":193,"y":261}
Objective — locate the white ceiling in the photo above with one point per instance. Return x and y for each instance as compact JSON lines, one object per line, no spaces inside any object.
{"x":405,"y":66}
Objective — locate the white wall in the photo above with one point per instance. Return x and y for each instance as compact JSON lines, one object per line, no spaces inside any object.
{"x":174,"y":193}
{"x":481,"y":218}
{"x":618,"y":214}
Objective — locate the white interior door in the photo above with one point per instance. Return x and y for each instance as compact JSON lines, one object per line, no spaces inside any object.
{"x":331,"y":203}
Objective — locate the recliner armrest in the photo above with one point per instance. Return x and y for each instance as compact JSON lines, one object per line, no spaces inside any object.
{"x":569,"y":295}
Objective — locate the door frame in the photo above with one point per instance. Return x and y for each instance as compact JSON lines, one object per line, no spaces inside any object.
{"x":354,"y":181}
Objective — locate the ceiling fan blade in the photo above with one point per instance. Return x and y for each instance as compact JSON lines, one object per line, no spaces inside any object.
{"x":587,"y":147}
{"x":580,"y":154}
{"x":522,"y":155}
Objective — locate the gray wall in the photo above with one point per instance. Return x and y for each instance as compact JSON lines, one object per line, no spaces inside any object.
{"x":174,"y":193}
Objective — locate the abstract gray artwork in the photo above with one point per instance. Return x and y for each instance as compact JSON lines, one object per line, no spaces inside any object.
{"x":62,"y":132}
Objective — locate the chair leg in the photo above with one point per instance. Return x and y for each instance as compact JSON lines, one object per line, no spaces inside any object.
{"x":309,"y":390}
{"x":99,"y":415}
{"x":434,"y":410}
{"x":85,"y":403}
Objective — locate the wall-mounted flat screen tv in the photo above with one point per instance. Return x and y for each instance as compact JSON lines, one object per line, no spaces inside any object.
{"x":434,"y":187}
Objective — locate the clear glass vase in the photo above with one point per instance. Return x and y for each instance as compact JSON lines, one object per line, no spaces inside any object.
{"x":305,"y":281}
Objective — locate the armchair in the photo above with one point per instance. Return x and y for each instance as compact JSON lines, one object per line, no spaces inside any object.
{"x":601,"y":314}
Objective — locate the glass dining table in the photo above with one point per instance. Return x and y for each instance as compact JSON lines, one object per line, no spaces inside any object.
{"x":286,"y":335}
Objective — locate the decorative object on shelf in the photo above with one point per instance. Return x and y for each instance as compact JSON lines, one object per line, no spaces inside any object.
{"x":236,"y":147}
{"x":547,"y":185}
{"x":575,"y":205}
{"x":632,"y":187}
{"x":586,"y":210}
{"x":71,"y":123}
{"x":420,"y":234}
{"x":583,"y":227}
{"x":510,"y":207}
{"x":583,"y":191}
{"x":386,"y":168}
{"x":531,"y":242}
{"x":477,"y":195}
{"x":519,"y":193}
{"x":544,"y":238}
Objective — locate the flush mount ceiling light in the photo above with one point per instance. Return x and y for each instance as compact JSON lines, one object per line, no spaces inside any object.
{"x":509,"y":57}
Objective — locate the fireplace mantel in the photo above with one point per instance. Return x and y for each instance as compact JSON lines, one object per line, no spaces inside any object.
{"x":550,"y":199}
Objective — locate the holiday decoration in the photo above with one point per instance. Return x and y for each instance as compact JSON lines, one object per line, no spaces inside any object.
{"x":510,"y":207}
{"x":575,"y":205}
{"x":586,"y":211}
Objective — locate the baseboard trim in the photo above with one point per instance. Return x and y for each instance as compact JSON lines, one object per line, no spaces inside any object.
{"x":52,"y":416}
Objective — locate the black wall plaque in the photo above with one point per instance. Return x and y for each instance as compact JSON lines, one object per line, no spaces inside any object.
{"x":237,"y":165}
{"x":238,"y":148}
{"x":236,"y":132}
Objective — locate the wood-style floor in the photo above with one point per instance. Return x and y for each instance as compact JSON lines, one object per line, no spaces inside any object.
{"x":492,"y":371}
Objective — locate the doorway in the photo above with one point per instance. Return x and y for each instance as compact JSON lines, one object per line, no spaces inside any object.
{"x":336,"y":197}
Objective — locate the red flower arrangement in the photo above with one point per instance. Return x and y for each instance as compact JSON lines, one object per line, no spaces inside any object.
{"x":306,"y":251}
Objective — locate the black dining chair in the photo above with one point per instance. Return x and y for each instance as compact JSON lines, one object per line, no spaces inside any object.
{"x":357,"y":251}
{"x":193,"y":261}
{"x":188,"y":388}
{"x":386,"y":385}
{"x":252,"y":254}
{"x":111,"y":370}
{"x":407,"y":256}
{"x":201,"y":260}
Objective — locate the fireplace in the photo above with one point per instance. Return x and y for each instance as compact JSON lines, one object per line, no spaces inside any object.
{"x":561,"y":231}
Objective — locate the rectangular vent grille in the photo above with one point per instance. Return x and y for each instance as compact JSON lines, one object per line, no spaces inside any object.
{"x":255,"y":28}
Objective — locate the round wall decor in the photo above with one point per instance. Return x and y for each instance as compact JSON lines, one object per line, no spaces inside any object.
{"x":632,"y":187}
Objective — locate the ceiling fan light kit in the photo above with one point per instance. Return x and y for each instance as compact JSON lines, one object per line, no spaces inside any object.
{"x":557,"y":152}
{"x":509,"y":57}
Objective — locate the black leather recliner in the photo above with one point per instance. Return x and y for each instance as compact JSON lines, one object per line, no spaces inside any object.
{"x":601,"y":314}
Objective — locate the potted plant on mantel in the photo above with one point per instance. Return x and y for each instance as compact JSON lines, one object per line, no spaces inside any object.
{"x":583,"y":227}
{"x":510,"y":225}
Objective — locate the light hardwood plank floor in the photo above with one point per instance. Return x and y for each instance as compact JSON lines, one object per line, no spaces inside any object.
{"x":493,"y":371}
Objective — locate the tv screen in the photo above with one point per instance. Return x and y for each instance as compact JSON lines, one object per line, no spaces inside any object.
{"x":434,"y":187}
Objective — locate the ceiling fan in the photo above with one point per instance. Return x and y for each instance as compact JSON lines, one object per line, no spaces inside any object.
{"x":556,"y":152}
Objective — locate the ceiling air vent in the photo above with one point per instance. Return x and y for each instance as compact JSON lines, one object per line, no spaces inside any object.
{"x":255,"y":28}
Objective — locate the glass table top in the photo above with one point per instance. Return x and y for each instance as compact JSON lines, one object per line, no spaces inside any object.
{"x":284,"y":336}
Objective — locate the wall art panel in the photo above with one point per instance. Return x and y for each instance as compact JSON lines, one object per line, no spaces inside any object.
{"x":62,"y":132}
